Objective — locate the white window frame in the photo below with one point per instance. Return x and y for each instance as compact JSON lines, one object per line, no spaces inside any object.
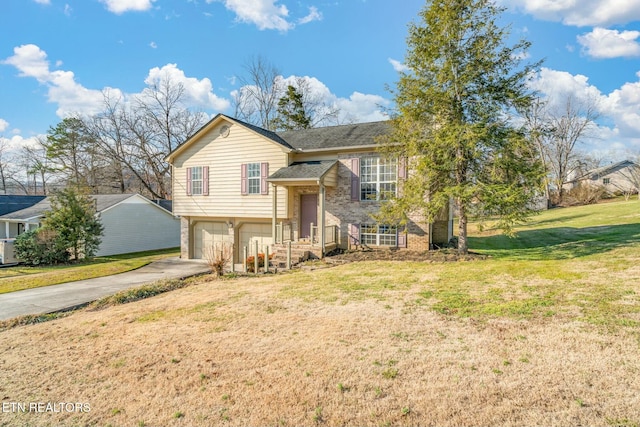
{"x":197,"y":180}
{"x":378,"y":178}
{"x":379,"y":235}
{"x":253,"y":178}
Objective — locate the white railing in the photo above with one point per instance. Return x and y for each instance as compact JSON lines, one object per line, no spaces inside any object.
{"x":330,"y":234}
{"x":284,"y":232}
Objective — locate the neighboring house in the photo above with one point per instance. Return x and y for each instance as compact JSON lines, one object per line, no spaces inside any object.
{"x":237,"y":183}
{"x":13,"y":203}
{"x":131,"y":223}
{"x":621,"y":177}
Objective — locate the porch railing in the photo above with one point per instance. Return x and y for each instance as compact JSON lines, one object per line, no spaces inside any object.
{"x":330,"y":234}
{"x":284,"y":232}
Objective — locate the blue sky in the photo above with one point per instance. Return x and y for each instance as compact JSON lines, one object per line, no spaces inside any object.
{"x":57,"y":56}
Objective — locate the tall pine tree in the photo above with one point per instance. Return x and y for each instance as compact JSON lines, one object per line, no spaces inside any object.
{"x":453,"y":121}
{"x":291,"y":112}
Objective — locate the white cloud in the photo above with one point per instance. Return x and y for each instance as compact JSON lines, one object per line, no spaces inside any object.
{"x":398,"y":66}
{"x":30,"y":61}
{"x":71,"y":97}
{"x":619,"y":121}
{"x":4,"y":125}
{"x":43,"y":1}
{"x":364,"y":107}
{"x":313,"y":15}
{"x":153,"y":45}
{"x":604,"y":43}
{"x":557,"y":85}
{"x":580,"y":13}
{"x":265,"y":14}
{"x":67,"y":9}
{"x":121,"y":6}
{"x":198,"y":93}
{"x":624,"y":105}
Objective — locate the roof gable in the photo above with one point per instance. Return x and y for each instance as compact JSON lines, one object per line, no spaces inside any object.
{"x":269,"y":136}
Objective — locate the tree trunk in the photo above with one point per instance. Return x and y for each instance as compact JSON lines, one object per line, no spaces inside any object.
{"x":462,"y":228}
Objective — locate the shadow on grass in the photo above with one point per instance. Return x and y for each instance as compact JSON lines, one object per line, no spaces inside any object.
{"x":558,"y":242}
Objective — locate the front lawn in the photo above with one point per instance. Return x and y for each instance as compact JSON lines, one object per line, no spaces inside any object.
{"x":24,"y":277}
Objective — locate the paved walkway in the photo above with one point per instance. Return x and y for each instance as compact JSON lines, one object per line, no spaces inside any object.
{"x":48,"y":299}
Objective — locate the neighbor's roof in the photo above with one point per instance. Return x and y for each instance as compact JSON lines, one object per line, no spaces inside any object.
{"x":605,"y":170}
{"x":103,"y":202}
{"x":302,"y":171}
{"x":335,"y":137}
{"x":13,"y":203}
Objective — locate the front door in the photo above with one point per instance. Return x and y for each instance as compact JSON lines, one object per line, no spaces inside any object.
{"x":308,"y":214}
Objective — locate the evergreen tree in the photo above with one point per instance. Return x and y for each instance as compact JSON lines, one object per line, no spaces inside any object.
{"x":453,"y":119}
{"x":73,"y":219}
{"x":291,"y":114}
{"x":69,"y":145}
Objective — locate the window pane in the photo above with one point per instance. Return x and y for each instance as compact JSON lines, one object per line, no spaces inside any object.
{"x":253,"y":178}
{"x":377,"y":178}
{"x":196,"y":180}
{"x":253,"y":170}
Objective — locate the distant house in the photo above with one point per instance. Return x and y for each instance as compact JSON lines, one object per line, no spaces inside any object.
{"x":621,"y":177}
{"x":239,"y":184}
{"x":132,"y":223}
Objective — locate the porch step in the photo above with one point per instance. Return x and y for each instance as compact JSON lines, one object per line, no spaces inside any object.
{"x":299,"y":253}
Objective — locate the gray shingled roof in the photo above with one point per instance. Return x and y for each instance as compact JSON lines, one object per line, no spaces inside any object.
{"x":264,"y":132}
{"x":13,"y":203}
{"x":302,"y":171}
{"x":342,"y":136}
{"x":103,"y":201}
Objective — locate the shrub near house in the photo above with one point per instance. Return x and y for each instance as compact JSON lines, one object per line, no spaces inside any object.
{"x":70,"y":230}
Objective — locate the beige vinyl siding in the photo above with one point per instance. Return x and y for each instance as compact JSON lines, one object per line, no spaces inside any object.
{"x":136,"y":225}
{"x":224,"y":157}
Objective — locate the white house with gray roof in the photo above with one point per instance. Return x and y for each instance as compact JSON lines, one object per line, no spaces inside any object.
{"x":132,"y":223}
{"x":239,"y":184}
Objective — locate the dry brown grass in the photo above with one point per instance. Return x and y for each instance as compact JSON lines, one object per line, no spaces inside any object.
{"x":251,"y":351}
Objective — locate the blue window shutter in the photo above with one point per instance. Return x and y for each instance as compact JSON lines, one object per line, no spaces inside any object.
{"x":188,"y":181}
{"x":205,"y":180}
{"x":264,"y":174}
{"x":355,"y":179}
{"x":244,"y":182}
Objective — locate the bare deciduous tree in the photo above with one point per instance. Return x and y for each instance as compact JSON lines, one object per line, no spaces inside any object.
{"x":256,"y":101}
{"x":569,"y":125}
{"x":137,"y":136}
{"x":37,"y":165}
{"x":556,"y":133}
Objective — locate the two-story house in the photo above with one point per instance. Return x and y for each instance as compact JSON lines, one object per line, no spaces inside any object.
{"x":238,"y":183}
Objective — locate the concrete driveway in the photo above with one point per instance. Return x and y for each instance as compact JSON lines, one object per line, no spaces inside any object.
{"x":48,"y":299}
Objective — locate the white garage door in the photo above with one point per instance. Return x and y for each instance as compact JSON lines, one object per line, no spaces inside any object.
{"x":207,"y":235}
{"x":252,"y":232}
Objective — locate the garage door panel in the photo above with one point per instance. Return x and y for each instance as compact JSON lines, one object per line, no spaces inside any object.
{"x":252,"y":232}
{"x":207,"y":234}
